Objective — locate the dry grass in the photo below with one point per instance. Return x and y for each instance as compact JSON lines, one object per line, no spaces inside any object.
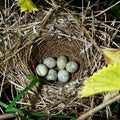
{"x":26,"y":39}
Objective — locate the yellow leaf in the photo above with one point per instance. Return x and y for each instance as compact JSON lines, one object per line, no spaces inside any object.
{"x":111,"y":55}
{"x":106,"y":79}
{"x":27,"y":5}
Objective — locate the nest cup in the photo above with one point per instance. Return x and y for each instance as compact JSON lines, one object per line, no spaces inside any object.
{"x":50,"y":98}
{"x":54,"y":47}
{"x":51,"y":32}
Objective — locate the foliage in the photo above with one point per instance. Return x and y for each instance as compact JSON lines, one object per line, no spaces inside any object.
{"x":116,"y":10}
{"x":27,"y":5}
{"x":34,"y":81}
{"x":111,"y":55}
{"x":10,"y":108}
{"x":106,"y":79}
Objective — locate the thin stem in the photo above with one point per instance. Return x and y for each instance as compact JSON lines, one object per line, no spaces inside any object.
{"x":98,"y":108}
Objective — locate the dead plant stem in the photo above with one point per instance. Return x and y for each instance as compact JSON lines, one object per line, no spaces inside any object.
{"x":79,"y":22}
{"x":17,"y":52}
{"x":107,"y":9}
{"x":98,"y":108}
{"x":7,"y":116}
{"x":50,"y":12}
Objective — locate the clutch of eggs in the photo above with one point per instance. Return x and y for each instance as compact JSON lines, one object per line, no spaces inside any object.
{"x":60,"y":69}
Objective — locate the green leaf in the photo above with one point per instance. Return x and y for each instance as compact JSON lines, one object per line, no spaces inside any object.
{"x":3,"y":104}
{"x":35,"y":114}
{"x":14,"y":110}
{"x":10,"y":106}
{"x":87,"y":1}
{"x":50,"y":116}
{"x":116,"y":10}
{"x":42,"y":80}
{"x":27,"y":5}
{"x":111,"y":55}
{"x":31,"y":78}
{"x":106,"y":79}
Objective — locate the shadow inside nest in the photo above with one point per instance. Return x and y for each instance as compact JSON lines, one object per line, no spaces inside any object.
{"x":57,"y":96}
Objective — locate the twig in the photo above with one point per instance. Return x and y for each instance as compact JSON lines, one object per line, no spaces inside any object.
{"x":54,"y":4}
{"x":45,"y":19}
{"x":7,"y":116}
{"x":79,"y":22}
{"x":3,"y":80}
{"x":50,"y":12}
{"x":17,"y":52}
{"x":98,"y":108}
{"x":107,"y":9}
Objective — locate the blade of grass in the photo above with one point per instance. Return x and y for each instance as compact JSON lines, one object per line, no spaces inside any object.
{"x":34,"y":114}
{"x":3,"y":104}
{"x":13,"y":109}
{"x":34,"y":81}
{"x":31,"y":78}
{"x":64,"y":117}
{"x":111,"y":2}
{"x":51,"y":116}
{"x":10,"y":108}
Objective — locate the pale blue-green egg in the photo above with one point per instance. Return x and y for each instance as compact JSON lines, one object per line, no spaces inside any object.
{"x":50,"y":62}
{"x":52,"y":75}
{"x":41,"y":70}
{"x":61,"y":62}
{"x":72,"y":66}
{"x":63,"y":76}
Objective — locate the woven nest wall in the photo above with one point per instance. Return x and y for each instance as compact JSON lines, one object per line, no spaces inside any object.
{"x":55,"y":93}
{"x":67,"y":39}
{"x":52,"y":98}
{"x":35,"y":37}
{"x":54,"y":47}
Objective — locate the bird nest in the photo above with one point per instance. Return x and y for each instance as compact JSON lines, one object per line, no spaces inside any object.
{"x":50,"y":35}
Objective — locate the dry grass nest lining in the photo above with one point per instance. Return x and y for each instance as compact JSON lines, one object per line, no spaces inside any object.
{"x":54,"y":47}
{"x":52,"y":98}
{"x":67,"y":39}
